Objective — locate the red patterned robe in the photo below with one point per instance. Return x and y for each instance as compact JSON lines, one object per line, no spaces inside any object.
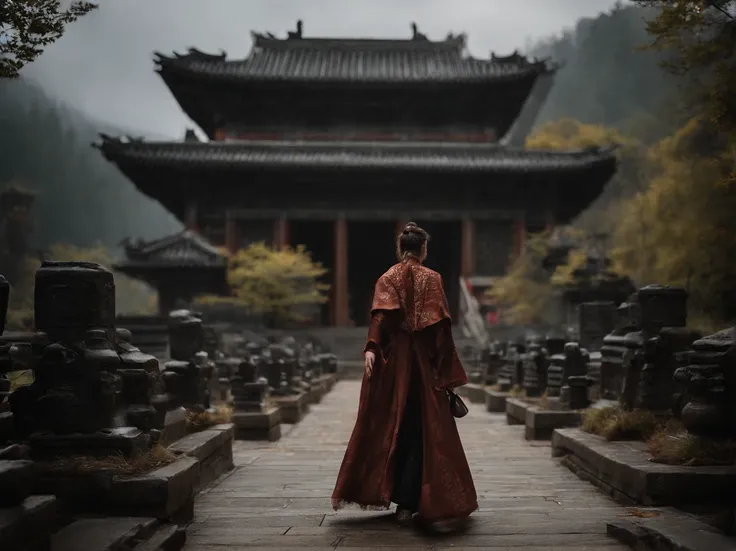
{"x":410,"y":324}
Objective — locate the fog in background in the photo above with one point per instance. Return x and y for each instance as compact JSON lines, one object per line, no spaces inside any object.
{"x":103,"y":65}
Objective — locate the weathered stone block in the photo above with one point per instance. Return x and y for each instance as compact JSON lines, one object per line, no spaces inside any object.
{"x":293,"y":408}
{"x":623,"y":470}
{"x":71,"y":298}
{"x":515,"y":411}
{"x":496,"y":401}
{"x":264,"y":425}
{"x":474,"y":392}
{"x":28,"y":527}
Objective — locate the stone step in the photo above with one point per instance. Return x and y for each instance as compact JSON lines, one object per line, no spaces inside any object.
{"x":669,"y":529}
{"x":28,"y":526}
{"x":168,"y":537}
{"x":104,"y":534}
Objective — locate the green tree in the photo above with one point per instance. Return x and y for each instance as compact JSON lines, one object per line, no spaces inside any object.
{"x":281,"y":284}
{"x":28,"y":26}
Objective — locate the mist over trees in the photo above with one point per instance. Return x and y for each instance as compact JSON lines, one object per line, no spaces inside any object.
{"x":81,"y":199}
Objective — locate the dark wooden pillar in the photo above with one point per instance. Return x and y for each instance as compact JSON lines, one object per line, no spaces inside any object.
{"x":519,"y":234}
{"x":467,"y":248}
{"x":340,"y":301}
{"x":191,"y":217}
{"x":231,"y":233}
{"x":281,"y":232}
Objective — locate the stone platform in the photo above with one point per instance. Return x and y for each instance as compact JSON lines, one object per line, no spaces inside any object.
{"x":495,"y":401}
{"x":258,"y":425}
{"x":166,"y":493}
{"x":623,"y":471}
{"x":292,"y":408}
{"x":474,"y":392}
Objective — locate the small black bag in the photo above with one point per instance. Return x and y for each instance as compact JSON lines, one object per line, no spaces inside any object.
{"x":457,"y":406}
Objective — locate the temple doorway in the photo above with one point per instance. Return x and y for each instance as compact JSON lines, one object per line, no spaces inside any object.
{"x":318,"y":236}
{"x":371,"y":251}
{"x":444,"y":256}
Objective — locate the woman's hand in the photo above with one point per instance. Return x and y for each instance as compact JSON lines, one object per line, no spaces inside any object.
{"x":370,"y":359}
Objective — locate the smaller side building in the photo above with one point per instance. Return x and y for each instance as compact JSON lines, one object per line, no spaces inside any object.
{"x":180,"y":267}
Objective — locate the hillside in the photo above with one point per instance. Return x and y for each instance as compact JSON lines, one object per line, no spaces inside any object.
{"x":82,"y":199}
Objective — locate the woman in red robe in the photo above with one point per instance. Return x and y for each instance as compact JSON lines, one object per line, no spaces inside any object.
{"x":405,"y":447}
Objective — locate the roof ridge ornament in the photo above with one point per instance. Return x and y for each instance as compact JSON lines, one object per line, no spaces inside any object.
{"x":416,"y":35}
{"x":299,"y":34}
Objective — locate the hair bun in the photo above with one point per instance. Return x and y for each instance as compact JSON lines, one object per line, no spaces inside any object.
{"x":410,"y":227}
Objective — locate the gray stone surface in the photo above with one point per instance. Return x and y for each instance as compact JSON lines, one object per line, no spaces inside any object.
{"x":496,"y":401}
{"x":102,"y":534}
{"x":279,"y":495}
{"x":28,"y":525}
{"x":293,"y":408}
{"x":516,"y":411}
{"x":623,"y":470}
{"x":668,"y":529}
{"x":476,"y":393}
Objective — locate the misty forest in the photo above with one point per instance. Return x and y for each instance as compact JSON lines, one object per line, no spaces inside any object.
{"x":658,"y":215}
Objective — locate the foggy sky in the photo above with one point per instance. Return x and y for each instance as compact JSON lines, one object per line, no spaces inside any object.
{"x":103,"y":65}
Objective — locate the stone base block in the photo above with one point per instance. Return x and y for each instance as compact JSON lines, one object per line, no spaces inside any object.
{"x":175,"y":426}
{"x":258,"y":426}
{"x":105,"y":534}
{"x":476,"y":393}
{"x":332,"y":379}
{"x":28,"y":527}
{"x":213,"y":448}
{"x":315,"y":393}
{"x":166,"y":493}
{"x":128,"y":441}
{"x":516,"y":411}
{"x":623,"y":471}
{"x":668,"y":528}
{"x":293,"y":408}
{"x":496,"y":401}
{"x":541,"y":423}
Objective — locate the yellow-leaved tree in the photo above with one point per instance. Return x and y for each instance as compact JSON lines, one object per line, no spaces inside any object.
{"x":281,"y":284}
{"x":525,"y":294}
{"x":680,"y":230}
{"x":630,"y":178}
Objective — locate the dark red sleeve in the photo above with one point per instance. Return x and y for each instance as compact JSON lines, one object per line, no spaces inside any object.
{"x":373,"y":342}
{"x":450,"y":372}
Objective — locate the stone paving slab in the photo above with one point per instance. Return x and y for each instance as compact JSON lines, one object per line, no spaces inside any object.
{"x":278,"y":497}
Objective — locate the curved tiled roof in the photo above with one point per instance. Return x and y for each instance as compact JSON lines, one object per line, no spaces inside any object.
{"x":354,"y":60}
{"x":370,"y":155}
{"x":185,"y":248}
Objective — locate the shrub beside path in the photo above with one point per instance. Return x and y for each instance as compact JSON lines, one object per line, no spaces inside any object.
{"x":278,"y":497}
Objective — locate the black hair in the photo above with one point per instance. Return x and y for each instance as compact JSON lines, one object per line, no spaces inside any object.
{"x":411,"y":241}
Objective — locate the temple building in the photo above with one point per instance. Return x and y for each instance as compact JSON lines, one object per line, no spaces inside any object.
{"x":335,"y":143}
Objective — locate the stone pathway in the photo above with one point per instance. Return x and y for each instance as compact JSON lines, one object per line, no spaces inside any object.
{"x":278,"y":497}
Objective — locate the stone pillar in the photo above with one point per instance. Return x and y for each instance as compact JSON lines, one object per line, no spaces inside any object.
{"x":191,"y":217}
{"x":340,"y":305}
{"x":467,"y":248}
{"x":231,"y":233}
{"x":280,"y":232}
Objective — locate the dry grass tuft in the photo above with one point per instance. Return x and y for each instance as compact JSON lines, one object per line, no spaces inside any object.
{"x":153,"y":459}
{"x":673,"y":445}
{"x":516,"y":391}
{"x":613,"y":423}
{"x":201,"y":420}
{"x":543,"y":401}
